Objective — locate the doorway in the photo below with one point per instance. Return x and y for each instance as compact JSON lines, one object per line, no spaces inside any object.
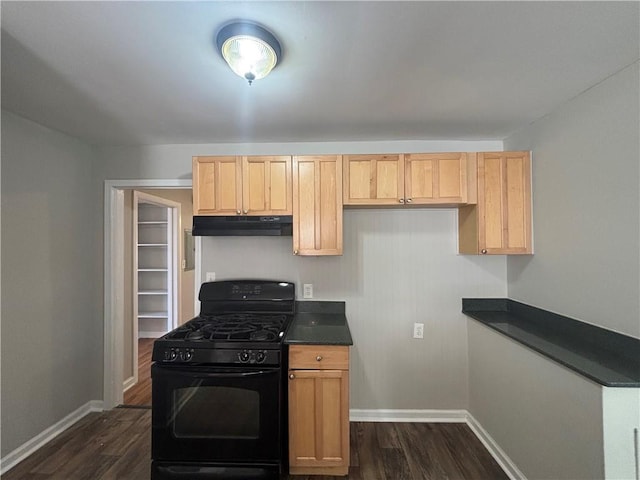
{"x":152,"y":283}
{"x":114,"y":273}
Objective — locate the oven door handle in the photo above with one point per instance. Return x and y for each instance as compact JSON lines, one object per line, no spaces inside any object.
{"x":197,"y":373}
{"x":237,"y":374}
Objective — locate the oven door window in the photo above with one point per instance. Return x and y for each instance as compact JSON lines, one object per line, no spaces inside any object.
{"x":216,"y":412}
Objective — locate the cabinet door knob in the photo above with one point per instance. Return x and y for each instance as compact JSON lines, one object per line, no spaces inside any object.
{"x":295,"y":252}
{"x":318,"y":358}
{"x":483,"y":251}
{"x":245,"y":212}
{"x":401,"y":200}
{"x":409,"y":200}
{"x":238,"y":212}
{"x":292,"y":376}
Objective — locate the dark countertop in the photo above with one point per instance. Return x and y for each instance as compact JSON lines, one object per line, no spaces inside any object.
{"x":608,"y":358}
{"x":319,"y":323}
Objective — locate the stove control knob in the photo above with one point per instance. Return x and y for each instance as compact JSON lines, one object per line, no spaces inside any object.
{"x":244,"y":356}
{"x":186,"y":355}
{"x":260,"y":357}
{"x":169,"y":355}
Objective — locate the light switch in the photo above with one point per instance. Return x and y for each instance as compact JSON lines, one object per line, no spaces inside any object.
{"x":307,"y":290}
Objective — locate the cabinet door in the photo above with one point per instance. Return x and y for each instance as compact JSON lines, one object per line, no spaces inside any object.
{"x":373,"y":179}
{"x":319,"y":421}
{"x":317,"y":205}
{"x":436,"y":178}
{"x":504,"y":202}
{"x":217,"y":187}
{"x":266,"y":185}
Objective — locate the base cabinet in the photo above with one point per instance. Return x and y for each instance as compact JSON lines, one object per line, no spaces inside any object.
{"x":318,"y":410}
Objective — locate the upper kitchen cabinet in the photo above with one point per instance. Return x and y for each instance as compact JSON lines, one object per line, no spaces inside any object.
{"x":500,"y":223}
{"x":373,"y":179}
{"x":415,"y":179}
{"x":217,"y":185}
{"x":317,"y":205}
{"x":258,"y":185}
{"x":438,"y":178}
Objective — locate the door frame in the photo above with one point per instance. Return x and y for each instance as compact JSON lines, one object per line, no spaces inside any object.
{"x":113,"y":273}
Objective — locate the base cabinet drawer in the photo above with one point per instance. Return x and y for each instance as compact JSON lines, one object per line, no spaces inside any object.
{"x":319,"y":357}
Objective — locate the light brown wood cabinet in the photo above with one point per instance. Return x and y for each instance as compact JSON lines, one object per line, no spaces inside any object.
{"x":234,"y":185}
{"x":414,"y":179}
{"x":318,"y":410}
{"x":317,"y":205}
{"x":500,"y":223}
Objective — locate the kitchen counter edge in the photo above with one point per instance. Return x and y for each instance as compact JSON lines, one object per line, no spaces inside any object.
{"x":603,"y":356}
{"x":319,"y":323}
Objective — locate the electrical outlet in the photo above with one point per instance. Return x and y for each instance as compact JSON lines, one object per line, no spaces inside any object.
{"x":307,"y":290}
{"x":211,"y":277}
{"x":418,"y":330}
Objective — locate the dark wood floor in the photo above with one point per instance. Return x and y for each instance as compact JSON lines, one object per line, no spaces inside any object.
{"x":116,"y":444}
{"x":140,"y":393}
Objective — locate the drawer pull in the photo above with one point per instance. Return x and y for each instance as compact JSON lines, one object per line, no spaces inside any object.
{"x":292,"y":376}
{"x":318,"y":358}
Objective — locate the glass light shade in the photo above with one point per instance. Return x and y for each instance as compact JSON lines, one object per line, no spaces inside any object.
{"x":249,"y":57}
{"x":250,"y":50}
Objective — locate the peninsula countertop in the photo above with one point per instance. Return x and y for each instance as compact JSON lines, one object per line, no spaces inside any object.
{"x":319,"y":323}
{"x":608,"y":358}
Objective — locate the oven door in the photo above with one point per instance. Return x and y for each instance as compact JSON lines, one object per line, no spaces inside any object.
{"x":215,"y":415}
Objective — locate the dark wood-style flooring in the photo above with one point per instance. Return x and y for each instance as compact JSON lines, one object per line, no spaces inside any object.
{"x":116,"y":444}
{"x":140,"y":393}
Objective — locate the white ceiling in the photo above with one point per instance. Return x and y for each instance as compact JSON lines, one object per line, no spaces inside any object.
{"x":122,"y":73}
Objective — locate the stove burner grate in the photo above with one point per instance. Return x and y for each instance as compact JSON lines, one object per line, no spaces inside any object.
{"x":232,"y":327}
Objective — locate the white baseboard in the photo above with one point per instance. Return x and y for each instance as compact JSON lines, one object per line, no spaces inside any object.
{"x":418,"y":416}
{"x":442,"y":416}
{"x":23,"y":451}
{"x":494,"y":449}
{"x":128,"y":383}
{"x":151,"y":334}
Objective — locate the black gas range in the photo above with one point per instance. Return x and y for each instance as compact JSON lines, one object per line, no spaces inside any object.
{"x":218,"y":400}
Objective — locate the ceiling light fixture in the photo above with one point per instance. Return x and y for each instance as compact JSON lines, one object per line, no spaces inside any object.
{"x":250,"y":50}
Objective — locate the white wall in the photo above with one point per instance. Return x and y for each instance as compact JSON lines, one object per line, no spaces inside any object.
{"x":586,"y":217}
{"x":174,"y":161}
{"x":399,"y":267}
{"x":586,"y":210}
{"x":51,"y":338}
{"x":546,"y":418}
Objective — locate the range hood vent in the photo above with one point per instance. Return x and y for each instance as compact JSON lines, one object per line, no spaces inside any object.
{"x":242,"y":226}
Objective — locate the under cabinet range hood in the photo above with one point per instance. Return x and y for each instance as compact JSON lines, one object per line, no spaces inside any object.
{"x":242,"y":225}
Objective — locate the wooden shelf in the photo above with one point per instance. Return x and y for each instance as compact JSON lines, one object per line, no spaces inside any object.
{"x":153,"y":315}
{"x":153,"y":245}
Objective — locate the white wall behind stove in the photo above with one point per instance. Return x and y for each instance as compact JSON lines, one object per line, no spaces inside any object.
{"x":399,"y":267}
